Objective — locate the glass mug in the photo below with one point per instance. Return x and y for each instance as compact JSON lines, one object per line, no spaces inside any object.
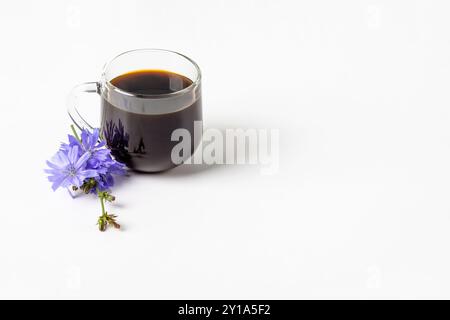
{"x":146,"y":94}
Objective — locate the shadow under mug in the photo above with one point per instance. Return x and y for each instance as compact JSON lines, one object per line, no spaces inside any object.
{"x":138,"y":128}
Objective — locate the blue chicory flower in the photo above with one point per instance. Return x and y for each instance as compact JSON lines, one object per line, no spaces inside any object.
{"x":68,"y":168}
{"x":89,"y":143}
{"x":98,"y":158}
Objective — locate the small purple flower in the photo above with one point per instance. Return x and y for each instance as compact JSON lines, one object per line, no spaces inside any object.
{"x":91,"y":144}
{"x":99,"y":159}
{"x":97,"y":162}
{"x":68,"y":168}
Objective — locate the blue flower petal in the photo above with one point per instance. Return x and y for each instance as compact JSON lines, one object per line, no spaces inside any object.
{"x":89,"y":173}
{"x":60,"y":159}
{"x":73,"y":154}
{"x":52,"y":165}
{"x":57,"y":182}
{"x":82,"y":160}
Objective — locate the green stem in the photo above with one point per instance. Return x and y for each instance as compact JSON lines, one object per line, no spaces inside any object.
{"x":75,"y":132}
{"x":102,"y":202}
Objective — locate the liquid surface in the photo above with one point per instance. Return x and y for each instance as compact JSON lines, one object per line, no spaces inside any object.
{"x":151,"y":82}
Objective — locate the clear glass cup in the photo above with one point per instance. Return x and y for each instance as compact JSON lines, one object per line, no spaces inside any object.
{"x":138,"y":128}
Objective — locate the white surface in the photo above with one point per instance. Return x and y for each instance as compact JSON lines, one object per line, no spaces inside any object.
{"x":359,"y":208}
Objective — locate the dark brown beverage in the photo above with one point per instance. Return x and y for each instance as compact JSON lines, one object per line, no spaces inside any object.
{"x":142,"y":139}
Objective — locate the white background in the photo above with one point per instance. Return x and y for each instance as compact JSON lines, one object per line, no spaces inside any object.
{"x":358,"y":209}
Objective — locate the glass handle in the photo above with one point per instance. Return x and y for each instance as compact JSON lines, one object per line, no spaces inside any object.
{"x":72,"y":102}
